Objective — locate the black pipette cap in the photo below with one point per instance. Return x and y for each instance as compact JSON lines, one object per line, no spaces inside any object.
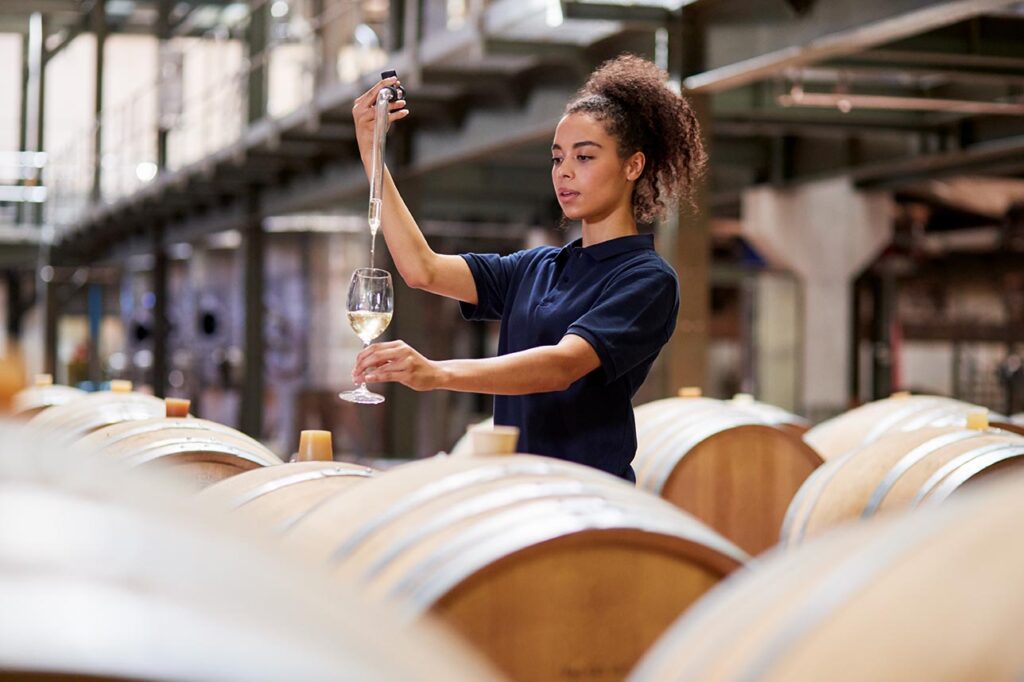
{"x":398,"y":92}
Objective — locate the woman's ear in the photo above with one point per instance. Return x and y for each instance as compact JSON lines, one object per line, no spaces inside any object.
{"x":635,"y":166}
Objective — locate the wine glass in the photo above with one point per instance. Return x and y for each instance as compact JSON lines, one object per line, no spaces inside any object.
{"x":371,"y":302}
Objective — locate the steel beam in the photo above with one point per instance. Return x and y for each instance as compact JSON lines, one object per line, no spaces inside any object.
{"x":99,"y":27}
{"x":914,"y":168}
{"x":259,"y":20}
{"x":161,"y":328}
{"x":837,"y":30}
{"x":251,"y":417}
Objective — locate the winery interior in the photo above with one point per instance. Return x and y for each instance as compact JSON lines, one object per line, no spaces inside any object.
{"x":828,"y":476}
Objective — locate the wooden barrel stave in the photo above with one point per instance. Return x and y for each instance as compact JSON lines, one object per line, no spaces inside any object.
{"x":868,"y":423}
{"x":277,"y":496}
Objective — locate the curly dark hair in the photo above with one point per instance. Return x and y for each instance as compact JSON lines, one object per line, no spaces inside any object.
{"x":630,"y":96}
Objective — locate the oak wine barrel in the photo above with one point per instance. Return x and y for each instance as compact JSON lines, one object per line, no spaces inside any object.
{"x":551,"y":569}
{"x":901,"y":470}
{"x":43,"y":394}
{"x":109,"y":574}
{"x":901,"y":412}
{"x":930,"y":596}
{"x":726,"y":466}
{"x":95,"y":411}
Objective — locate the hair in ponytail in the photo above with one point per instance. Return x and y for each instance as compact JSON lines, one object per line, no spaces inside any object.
{"x":630,"y":97}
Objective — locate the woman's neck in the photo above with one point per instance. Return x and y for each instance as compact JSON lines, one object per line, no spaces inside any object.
{"x":619,"y":223}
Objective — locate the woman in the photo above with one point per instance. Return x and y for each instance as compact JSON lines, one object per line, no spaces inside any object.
{"x":581,"y":324}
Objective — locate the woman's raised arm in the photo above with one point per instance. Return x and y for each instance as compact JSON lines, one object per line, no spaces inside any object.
{"x":417,"y":263}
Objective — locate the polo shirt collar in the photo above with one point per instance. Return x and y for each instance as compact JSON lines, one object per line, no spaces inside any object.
{"x":614,"y":247}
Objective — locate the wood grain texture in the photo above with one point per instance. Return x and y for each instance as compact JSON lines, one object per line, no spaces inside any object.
{"x":724,"y":465}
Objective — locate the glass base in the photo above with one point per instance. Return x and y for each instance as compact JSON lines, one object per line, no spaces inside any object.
{"x":361,"y":396}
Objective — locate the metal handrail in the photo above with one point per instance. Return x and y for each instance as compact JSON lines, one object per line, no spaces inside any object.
{"x":211,"y":119}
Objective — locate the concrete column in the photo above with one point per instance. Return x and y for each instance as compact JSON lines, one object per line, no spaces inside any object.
{"x":825,"y":233}
{"x":690,"y":237}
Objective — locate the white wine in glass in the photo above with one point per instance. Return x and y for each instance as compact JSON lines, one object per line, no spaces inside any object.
{"x":371,"y":303}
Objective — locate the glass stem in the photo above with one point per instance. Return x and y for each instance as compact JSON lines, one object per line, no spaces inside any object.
{"x":362,"y":386}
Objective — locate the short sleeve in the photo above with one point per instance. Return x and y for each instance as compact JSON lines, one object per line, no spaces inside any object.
{"x":632,"y":320}
{"x":494,"y":276}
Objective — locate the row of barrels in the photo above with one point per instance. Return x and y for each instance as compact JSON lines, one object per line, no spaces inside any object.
{"x":532,"y":561}
{"x":501,"y":549}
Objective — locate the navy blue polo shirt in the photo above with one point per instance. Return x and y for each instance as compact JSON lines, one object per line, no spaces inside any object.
{"x":621,"y":297}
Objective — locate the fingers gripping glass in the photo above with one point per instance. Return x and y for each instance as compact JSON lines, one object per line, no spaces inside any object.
{"x":371,"y":302}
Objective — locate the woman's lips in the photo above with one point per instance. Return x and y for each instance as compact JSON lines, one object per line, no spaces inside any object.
{"x":567,"y":195}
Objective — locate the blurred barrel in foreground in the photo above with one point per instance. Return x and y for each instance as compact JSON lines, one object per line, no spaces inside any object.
{"x":43,"y":394}
{"x":146,"y":587}
{"x":552,"y":570}
{"x":933,"y":596}
{"x":724,"y":465}
{"x":201,"y":451}
{"x":93,"y":411}
{"x":277,"y":496}
{"x":901,"y":470}
{"x":901,"y":412}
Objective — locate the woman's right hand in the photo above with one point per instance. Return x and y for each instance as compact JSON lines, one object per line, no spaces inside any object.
{"x":363,"y":114}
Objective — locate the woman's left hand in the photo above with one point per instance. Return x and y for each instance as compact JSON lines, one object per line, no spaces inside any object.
{"x":396,"y":361}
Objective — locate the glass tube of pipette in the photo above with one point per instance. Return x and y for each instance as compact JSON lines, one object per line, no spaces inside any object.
{"x":380,"y":130}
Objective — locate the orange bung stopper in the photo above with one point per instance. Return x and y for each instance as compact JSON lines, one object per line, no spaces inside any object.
{"x":315,"y":446}
{"x":977,"y":419}
{"x":176,"y":407}
{"x":900,"y":395}
{"x":120,"y":386}
{"x":44,"y":380}
{"x":690,"y":392}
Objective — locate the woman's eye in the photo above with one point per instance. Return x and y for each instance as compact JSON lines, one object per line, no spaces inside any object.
{"x":555,"y":160}
{"x":583,"y":158}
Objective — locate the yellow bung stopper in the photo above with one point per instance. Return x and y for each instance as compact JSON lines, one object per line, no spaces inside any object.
{"x":690,"y":392}
{"x":120,"y":386}
{"x":485,"y":439}
{"x":900,"y":395}
{"x":44,"y":380}
{"x":176,"y":407}
{"x":315,"y":446}
{"x":743,"y":398}
{"x":977,"y":419}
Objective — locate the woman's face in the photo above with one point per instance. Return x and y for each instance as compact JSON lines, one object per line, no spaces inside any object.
{"x":590,"y":179}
